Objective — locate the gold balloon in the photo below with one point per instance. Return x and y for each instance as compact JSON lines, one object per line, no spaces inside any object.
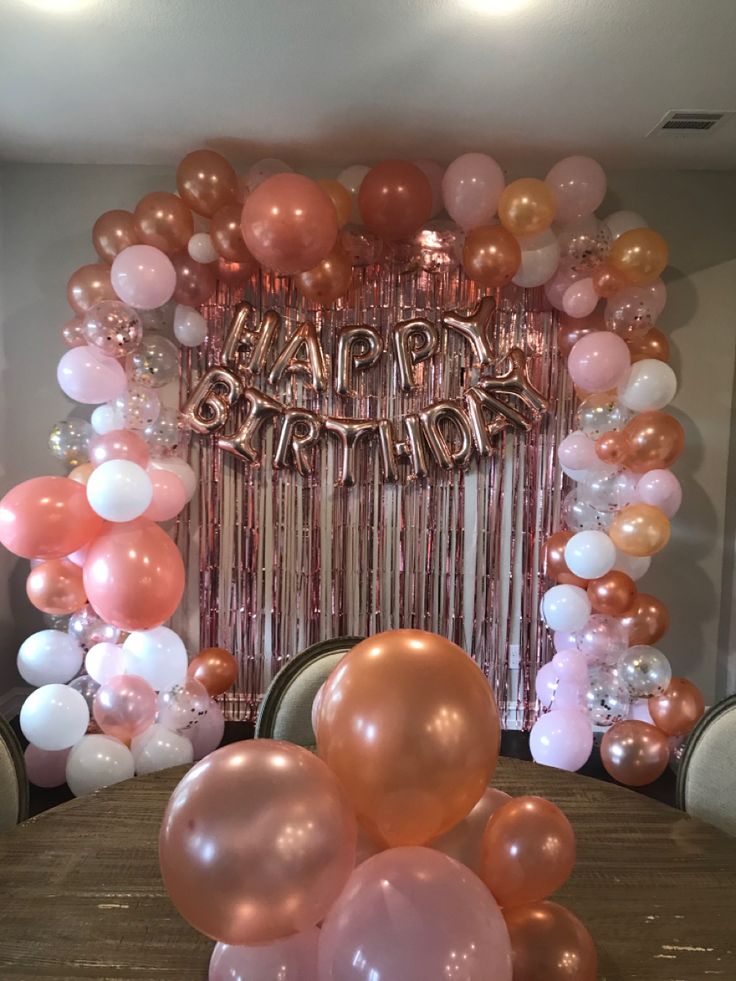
{"x":640,"y":255}
{"x":340,"y":197}
{"x":640,"y":529}
{"x":491,"y":256}
{"x":81,"y":473}
{"x":408,"y":724}
{"x":526,"y":207}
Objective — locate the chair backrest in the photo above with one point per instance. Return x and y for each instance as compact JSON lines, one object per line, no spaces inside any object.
{"x":14,"y":795}
{"x":286,"y":709}
{"x":706,"y":780}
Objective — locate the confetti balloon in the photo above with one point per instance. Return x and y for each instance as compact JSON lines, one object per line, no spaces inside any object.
{"x":645,"y":670}
{"x":69,"y":441}
{"x":113,"y":328}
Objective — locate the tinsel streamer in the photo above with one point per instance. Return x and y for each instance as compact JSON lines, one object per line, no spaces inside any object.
{"x":281,"y":561}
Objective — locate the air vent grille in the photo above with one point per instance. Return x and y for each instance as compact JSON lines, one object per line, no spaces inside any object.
{"x":689,"y":123}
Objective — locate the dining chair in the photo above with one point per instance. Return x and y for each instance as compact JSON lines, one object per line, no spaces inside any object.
{"x":14,"y":795}
{"x":706,"y":780}
{"x":286,"y":709}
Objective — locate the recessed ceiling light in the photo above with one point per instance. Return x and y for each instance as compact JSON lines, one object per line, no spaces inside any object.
{"x":494,"y":7}
{"x":60,"y":6}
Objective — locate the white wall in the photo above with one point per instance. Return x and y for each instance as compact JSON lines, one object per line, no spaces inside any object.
{"x":47,"y":211}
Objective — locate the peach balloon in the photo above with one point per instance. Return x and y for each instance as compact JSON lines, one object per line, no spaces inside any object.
{"x":528,"y":851}
{"x":640,"y":255}
{"x":119,"y":444}
{"x":195,"y":282}
{"x":55,"y":587}
{"x":81,"y":473}
{"x":549,"y":943}
{"x":635,"y":753}
{"x":89,"y":285}
{"x":607,"y":280}
{"x":491,"y":256}
{"x":227,"y":235}
{"x":341,"y":199}
{"x":257,"y":842}
{"x":134,"y":575}
{"x":612,"y":594}
{"x":656,"y":440}
{"x":640,"y":529}
{"x":679,"y":709}
{"x":112,"y":232}
{"x":612,"y":448}
{"x":214,"y":668}
{"x":526,"y":206}
{"x":328,"y":280}
{"x":653,"y":344}
{"x":206,"y":182}
{"x":289,"y":223}
{"x":47,"y":518}
{"x":164,"y":221}
{"x":428,"y":740}
{"x":646,"y":620}
{"x":395,"y":199}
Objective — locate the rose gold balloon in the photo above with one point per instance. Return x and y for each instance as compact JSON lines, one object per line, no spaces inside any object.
{"x":677,"y":711}
{"x":214,"y":668}
{"x":340,"y":197}
{"x":646,"y":620}
{"x":235,"y":273}
{"x":88,"y":285}
{"x":56,"y":587}
{"x":119,"y":444}
{"x":257,"y":842}
{"x":571,"y":330}
{"x":655,"y":440}
{"x":395,"y":199}
{"x":612,"y":594}
{"x":195,"y":282}
{"x":635,"y":753}
{"x":227,"y":235}
{"x":612,"y":448}
{"x":463,"y":842}
{"x":329,"y":280}
{"x":549,"y":943}
{"x":81,"y":473}
{"x":528,"y":851}
{"x":206,"y":182}
{"x":72,"y":332}
{"x":640,"y":529}
{"x":640,"y":255}
{"x":163,"y":221}
{"x":427,"y":740}
{"x":112,"y":232}
{"x":653,"y":344}
{"x":47,"y":518}
{"x":491,"y":256}
{"x":556,"y":567}
{"x":607,"y":280}
{"x":527,"y":206}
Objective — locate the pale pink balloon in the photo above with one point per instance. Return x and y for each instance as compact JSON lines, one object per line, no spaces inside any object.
{"x":579,"y":186}
{"x":639,"y":711}
{"x":545,"y":684}
{"x":411,"y":914}
{"x":567,"y":274}
{"x":658,"y":291}
{"x":169,"y":495}
{"x":563,"y":739}
{"x":471,"y":188}
{"x":80,"y":556}
{"x":124,"y":706}
{"x":119,"y":444}
{"x":143,"y":277}
{"x":89,"y":377}
{"x":564,"y":640}
{"x":463,"y":842}
{"x":661,"y":489}
{"x":570,"y":665}
{"x":434,"y":173}
{"x":580,"y":299}
{"x":207,"y":735}
{"x":577,"y":452}
{"x":46,"y":767}
{"x":599,"y":362}
{"x":104,"y":660}
{"x":569,"y":695}
{"x":291,"y":959}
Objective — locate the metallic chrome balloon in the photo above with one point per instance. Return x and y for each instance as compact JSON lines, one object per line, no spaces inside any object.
{"x":645,"y":671}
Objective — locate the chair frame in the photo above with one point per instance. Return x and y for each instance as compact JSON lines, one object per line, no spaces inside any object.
{"x":8,"y":736}
{"x":692,"y":741}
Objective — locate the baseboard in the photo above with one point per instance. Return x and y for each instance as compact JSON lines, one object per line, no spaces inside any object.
{"x":11,"y":701}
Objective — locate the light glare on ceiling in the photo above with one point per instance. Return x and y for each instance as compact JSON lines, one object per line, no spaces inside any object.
{"x":493,"y":7}
{"x":60,"y":6}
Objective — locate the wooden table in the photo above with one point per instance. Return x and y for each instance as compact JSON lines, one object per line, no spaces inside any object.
{"x":81,"y":896}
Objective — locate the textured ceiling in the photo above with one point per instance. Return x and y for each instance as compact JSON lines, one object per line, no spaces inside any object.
{"x":330,"y":82}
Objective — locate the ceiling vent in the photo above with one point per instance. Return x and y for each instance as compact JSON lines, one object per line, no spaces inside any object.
{"x":679,"y":123}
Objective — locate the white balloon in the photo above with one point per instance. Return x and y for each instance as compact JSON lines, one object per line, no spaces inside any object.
{"x":540,"y":257}
{"x":623,"y":221}
{"x":119,"y":490}
{"x":182,"y":470}
{"x":158,"y":656}
{"x":590,"y":554}
{"x":651,"y":385}
{"x":49,"y":657}
{"x":105,"y":661}
{"x":565,"y":607}
{"x":633,"y":565}
{"x":351,"y":178}
{"x":190,"y":327}
{"x":315,"y":705}
{"x":201,"y":248}
{"x":104,"y":419}
{"x":577,"y":475}
{"x":54,"y":717}
{"x":98,"y":761}
{"x":159,"y":748}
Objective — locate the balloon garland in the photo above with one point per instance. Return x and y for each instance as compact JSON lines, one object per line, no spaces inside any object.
{"x":111,"y":576}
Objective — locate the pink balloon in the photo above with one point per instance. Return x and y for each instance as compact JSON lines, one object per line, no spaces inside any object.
{"x":564,"y":640}
{"x":563,"y":739}
{"x":546,"y":684}
{"x":124,"y":706}
{"x":471,"y":188}
{"x":569,"y":695}
{"x":463,"y":842}
{"x":639,"y":711}
{"x":87,"y":376}
{"x":143,"y":277}
{"x":579,"y":186}
{"x":570,"y":665}
{"x":292,"y":959}
{"x":434,"y":173}
{"x":661,"y":489}
{"x":577,"y":452}
{"x":46,"y":767}
{"x":599,"y":362}
{"x":119,"y":444}
{"x":658,"y":292}
{"x":565,"y":277}
{"x":410,"y":914}
{"x":207,"y":735}
{"x":580,"y":299}
{"x":169,"y":495}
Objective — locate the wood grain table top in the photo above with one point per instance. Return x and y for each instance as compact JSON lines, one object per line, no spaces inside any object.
{"x":81,"y":896}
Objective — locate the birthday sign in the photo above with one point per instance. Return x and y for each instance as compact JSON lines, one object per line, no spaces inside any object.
{"x":450,"y":432}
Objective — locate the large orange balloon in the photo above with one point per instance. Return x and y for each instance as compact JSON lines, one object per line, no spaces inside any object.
{"x":491,"y":256}
{"x":215,"y":668}
{"x":206,"y":182}
{"x":678,"y":710}
{"x":409,"y":725}
{"x":640,"y":255}
{"x":134,"y":575}
{"x":395,"y":199}
{"x":164,"y":221}
{"x":47,"y":518}
{"x":528,"y":851}
{"x":646,"y":620}
{"x":640,"y":529}
{"x":612,"y":594}
{"x":549,"y":943}
{"x":526,"y":206}
{"x":56,"y":587}
{"x":635,"y":753}
{"x":655,"y":440}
